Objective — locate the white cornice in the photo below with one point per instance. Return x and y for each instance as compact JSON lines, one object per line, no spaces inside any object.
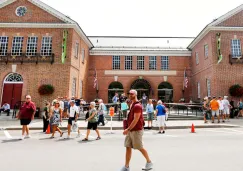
{"x":140,"y":52}
{"x":48,"y":25}
{"x":227,"y":15}
{"x":210,"y":28}
{"x":4,"y":3}
{"x":140,"y":73}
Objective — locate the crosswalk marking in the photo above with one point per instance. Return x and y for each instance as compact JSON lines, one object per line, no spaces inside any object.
{"x":7,"y":134}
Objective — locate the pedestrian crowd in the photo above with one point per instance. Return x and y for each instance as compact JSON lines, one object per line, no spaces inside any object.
{"x":220,"y":107}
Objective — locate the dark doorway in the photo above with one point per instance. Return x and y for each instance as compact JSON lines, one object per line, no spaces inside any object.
{"x":142,"y":86}
{"x":165,"y":92}
{"x":114,"y":87}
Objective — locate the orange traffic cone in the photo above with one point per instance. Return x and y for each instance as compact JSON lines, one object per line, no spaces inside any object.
{"x":193,"y":129}
{"x":48,"y":131}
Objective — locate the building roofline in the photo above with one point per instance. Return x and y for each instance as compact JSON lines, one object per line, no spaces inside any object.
{"x":137,"y":37}
{"x":56,"y":14}
{"x":215,"y":22}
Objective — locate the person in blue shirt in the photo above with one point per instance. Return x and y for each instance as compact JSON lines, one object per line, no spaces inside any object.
{"x":5,"y":108}
{"x":150,"y":113}
{"x":160,"y":113}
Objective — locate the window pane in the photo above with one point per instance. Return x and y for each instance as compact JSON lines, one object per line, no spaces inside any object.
{"x":31,"y":46}
{"x":140,"y":62}
{"x":164,"y":62}
{"x":46,"y":46}
{"x":235,"y":48}
{"x":17,"y":46}
{"x":3,"y":45}
{"x":128,"y":62}
{"x":116,"y":62}
{"x":152,"y":63}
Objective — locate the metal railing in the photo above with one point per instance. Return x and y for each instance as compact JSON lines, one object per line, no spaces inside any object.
{"x":24,"y":58}
{"x":194,"y":109}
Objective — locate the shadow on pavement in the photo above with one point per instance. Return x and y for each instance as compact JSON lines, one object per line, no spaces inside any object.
{"x":11,"y":140}
{"x":65,"y":139}
{"x":84,"y":142}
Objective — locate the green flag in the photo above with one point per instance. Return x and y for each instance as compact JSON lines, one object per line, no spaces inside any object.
{"x":64,"y":46}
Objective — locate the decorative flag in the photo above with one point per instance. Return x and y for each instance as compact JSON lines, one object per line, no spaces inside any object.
{"x":95,"y":80}
{"x":185,"y":79}
{"x":220,"y":56}
{"x":64,"y":46}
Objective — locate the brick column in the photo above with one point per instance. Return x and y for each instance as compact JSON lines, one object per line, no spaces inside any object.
{"x":146,"y":63}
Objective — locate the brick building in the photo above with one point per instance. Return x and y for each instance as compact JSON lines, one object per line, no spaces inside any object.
{"x":32,"y":49}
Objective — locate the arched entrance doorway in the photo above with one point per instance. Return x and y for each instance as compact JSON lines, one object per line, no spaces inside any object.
{"x":114,"y":87}
{"x":165,"y":92}
{"x":12,"y":89}
{"x":142,"y":86}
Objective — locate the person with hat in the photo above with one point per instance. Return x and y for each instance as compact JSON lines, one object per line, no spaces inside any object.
{"x":72,"y":116}
{"x":214,"y":105}
{"x":56,"y":117}
{"x":206,"y":109}
{"x":227,"y":107}
{"x":221,"y":108}
{"x":26,"y":115}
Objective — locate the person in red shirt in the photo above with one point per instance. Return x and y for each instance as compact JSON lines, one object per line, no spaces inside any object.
{"x":134,"y":132}
{"x":26,"y":115}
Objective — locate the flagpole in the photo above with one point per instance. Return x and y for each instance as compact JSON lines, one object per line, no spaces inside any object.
{"x":183,"y":89}
{"x":97,"y":84}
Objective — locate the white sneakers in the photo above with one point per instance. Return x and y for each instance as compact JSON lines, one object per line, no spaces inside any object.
{"x":23,"y":136}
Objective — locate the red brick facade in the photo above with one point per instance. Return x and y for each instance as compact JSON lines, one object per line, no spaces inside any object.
{"x":76,"y":76}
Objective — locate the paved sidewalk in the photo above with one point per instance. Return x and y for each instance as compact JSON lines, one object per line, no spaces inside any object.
{"x":37,"y":124}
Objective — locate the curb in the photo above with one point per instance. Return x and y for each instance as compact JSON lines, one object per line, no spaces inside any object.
{"x":121,"y":128}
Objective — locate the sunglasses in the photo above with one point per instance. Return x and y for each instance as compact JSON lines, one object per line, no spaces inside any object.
{"x":131,"y":93}
{"x":27,"y":98}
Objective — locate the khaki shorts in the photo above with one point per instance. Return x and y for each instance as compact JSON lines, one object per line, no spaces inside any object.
{"x":134,"y":140}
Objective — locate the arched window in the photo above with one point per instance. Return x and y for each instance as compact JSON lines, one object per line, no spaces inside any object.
{"x":13,"y":78}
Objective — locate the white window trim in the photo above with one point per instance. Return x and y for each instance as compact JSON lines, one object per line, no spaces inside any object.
{"x":36,"y":46}
{"x":234,"y":55}
{"x":74,"y":87}
{"x":198,"y":90}
{"x":76,"y":50}
{"x":140,"y":61}
{"x":116,"y":59}
{"x":83,"y":55}
{"x":208,"y":82}
{"x":130,"y":61}
{"x":197,"y":58}
{"x":50,"y":46}
{"x":153,"y":61}
{"x":165,"y":60}
{"x":20,"y":52}
{"x":206,"y":50}
{"x":4,"y":45}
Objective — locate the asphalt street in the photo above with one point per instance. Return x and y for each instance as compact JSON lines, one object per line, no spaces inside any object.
{"x":208,"y":149}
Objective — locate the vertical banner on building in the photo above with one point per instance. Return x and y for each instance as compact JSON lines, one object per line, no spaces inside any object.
{"x":64,"y":46}
{"x":220,"y":56}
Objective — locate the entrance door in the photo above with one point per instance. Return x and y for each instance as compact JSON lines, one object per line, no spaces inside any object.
{"x":165,"y":92}
{"x":142,"y":86}
{"x":12,"y":89}
{"x":12,"y":94}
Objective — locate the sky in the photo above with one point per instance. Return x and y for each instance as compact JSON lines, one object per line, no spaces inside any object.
{"x":159,"y":18}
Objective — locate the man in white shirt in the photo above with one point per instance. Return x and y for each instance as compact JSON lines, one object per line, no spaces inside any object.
{"x":72,"y":116}
{"x":221,"y":107}
{"x":5,"y":108}
{"x":227,"y":107}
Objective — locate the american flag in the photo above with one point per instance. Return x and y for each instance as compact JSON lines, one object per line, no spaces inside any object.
{"x":95,"y":80}
{"x":185,"y":79}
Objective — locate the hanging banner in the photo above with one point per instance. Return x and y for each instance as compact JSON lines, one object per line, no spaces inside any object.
{"x":64,"y":46}
{"x":220,"y":56}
